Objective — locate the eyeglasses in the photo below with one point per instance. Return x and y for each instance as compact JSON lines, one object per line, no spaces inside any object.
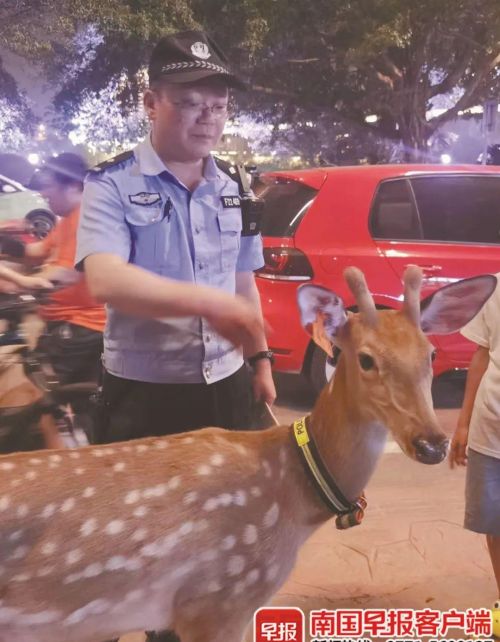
{"x":195,"y":110}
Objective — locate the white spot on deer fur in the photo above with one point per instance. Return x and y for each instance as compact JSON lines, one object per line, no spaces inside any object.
{"x":151,"y":550}
{"x":48,"y":511}
{"x":115,"y":563}
{"x":133,"y":564}
{"x":252,"y":576}
{"x":134,"y":596}
{"x":249,"y":534}
{"x":72,"y":577}
{"x":161,"y":445}
{"x":209,"y":555}
{"x":271,"y":516}
{"x":8,"y":465}
{"x":44,"y":571}
{"x":74,"y":454}
{"x":67,"y":505}
{"x":184,"y":569}
{"x":204,"y":470}
{"x":255,"y":491}
{"x":202,"y":525}
{"x":213,"y":587}
{"x":15,"y":482}
{"x":19,"y":553}
{"x":217,"y":459}
{"x":236,"y":565}
{"x":35,"y":461}
{"x":74,"y":556}
{"x":119,"y":467}
{"x":210,"y":504}
{"x":241,"y":449}
{"x":174,"y":483}
{"x":49,"y":548}
{"x":267,"y":468}
{"x":22,"y":510}
{"x":8,"y":614}
{"x":93,"y":570}
{"x":114,"y":527}
{"x":240,"y":498}
{"x":238,"y":588}
{"x":190,"y":498}
{"x":225,"y":499}
{"x":132,"y":497}
{"x":55,"y":459}
{"x":35,"y":619}
{"x":282,"y":456}
{"x":79,"y":471}
{"x":272,"y":573}
{"x":96,"y":607}
{"x":141,"y":511}
{"x":141,"y":448}
{"x":4,"y":502}
{"x":88,"y":527}
{"x":228,"y":543}
{"x":88,"y":492}
{"x":187,"y":440}
{"x":31,"y":474}
{"x":21,"y":577}
{"x":15,"y":536}
{"x":139,"y":535}
{"x":186,"y":528}
{"x":97,"y":452}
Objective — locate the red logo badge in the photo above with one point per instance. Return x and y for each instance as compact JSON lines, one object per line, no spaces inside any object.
{"x":279,"y":624}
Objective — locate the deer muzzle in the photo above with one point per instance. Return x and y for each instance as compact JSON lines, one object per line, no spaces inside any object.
{"x":430,"y":452}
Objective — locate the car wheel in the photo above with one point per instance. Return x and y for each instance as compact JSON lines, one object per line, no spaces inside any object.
{"x":320,"y":371}
{"x":41,"y":223}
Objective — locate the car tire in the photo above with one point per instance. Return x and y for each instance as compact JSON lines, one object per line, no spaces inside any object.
{"x":320,"y":371}
{"x":41,"y":223}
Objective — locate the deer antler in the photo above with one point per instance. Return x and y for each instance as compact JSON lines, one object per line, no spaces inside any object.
{"x":357,"y":284}
{"x":412,"y":279}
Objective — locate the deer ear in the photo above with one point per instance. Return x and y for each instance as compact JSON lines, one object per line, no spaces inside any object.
{"x":322,"y":314}
{"x":453,"y":306}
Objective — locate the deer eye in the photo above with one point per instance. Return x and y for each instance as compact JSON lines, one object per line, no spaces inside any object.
{"x":365,"y":361}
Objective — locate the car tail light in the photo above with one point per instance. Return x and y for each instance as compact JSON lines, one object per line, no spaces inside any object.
{"x":285,"y":263}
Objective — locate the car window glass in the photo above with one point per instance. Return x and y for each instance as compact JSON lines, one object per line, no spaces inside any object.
{"x":393,"y":213}
{"x":285,"y":204}
{"x":461,"y":209}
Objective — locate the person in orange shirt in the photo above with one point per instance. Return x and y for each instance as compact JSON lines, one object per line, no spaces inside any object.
{"x":75,"y":321}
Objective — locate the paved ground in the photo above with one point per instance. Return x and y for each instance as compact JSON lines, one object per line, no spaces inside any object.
{"x":411,"y":550}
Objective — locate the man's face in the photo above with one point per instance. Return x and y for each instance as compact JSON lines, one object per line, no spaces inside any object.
{"x":61,"y":198}
{"x":188,"y":119}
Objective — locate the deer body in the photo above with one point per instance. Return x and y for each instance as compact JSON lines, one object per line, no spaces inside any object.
{"x":195,"y":531}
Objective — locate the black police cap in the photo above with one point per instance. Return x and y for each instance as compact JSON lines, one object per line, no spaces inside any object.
{"x":189,"y":56}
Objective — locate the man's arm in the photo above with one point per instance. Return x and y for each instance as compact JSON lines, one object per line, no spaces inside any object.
{"x":23,"y":281}
{"x":263,"y":384}
{"x":138,"y":292}
{"x":476,"y":371}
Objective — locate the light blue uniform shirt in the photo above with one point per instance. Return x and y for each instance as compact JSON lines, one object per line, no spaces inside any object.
{"x":138,"y":210}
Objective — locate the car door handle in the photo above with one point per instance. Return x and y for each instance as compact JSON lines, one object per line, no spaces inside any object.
{"x":429,"y":270}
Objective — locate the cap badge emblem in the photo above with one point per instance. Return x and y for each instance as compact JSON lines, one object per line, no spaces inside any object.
{"x":200,"y":50}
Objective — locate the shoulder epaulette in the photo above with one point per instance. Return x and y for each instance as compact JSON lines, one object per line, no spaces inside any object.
{"x":227,"y":168}
{"x":111,"y":162}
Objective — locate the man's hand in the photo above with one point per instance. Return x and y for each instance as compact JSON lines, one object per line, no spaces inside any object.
{"x":33,"y":283}
{"x":458,"y":454}
{"x":263,"y":384}
{"x":235,"y":319}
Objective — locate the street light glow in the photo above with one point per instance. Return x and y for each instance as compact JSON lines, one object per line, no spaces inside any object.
{"x":34,"y":158}
{"x":446,"y":159}
{"x":371,"y":118}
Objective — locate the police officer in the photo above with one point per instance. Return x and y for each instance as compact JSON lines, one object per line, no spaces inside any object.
{"x":161,"y":244}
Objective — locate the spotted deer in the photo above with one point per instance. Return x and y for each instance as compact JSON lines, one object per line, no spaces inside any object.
{"x":195,"y":531}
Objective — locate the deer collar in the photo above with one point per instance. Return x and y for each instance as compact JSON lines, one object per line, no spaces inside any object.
{"x":348,"y":513}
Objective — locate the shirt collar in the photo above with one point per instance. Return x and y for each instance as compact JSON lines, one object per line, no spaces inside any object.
{"x":151,"y":164}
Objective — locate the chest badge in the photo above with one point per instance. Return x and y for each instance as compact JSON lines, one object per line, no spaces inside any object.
{"x":145,"y":198}
{"x":230,"y":201}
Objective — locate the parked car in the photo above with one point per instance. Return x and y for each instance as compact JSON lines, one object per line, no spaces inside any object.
{"x":379,"y":218}
{"x":24,"y":210}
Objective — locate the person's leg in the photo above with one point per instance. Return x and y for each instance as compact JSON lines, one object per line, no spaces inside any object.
{"x":232,"y":401}
{"x":494,"y":549}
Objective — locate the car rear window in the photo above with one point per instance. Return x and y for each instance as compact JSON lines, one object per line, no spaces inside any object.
{"x":285,"y":204}
{"x":456,"y":209}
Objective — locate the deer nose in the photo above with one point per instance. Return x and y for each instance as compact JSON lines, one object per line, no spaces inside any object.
{"x":430,"y":452}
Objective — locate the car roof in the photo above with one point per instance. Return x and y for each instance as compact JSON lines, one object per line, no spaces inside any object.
{"x":315,"y":177}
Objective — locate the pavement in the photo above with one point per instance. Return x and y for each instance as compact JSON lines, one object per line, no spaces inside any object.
{"x":411,"y":550}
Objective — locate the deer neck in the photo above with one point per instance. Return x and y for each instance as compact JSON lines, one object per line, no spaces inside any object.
{"x":349,"y":445}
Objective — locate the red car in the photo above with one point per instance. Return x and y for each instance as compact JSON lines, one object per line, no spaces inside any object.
{"x":379,"y":218}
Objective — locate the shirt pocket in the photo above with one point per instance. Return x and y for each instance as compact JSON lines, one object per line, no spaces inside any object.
{"x":147,"y":232}
{"x":229,"y":221}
